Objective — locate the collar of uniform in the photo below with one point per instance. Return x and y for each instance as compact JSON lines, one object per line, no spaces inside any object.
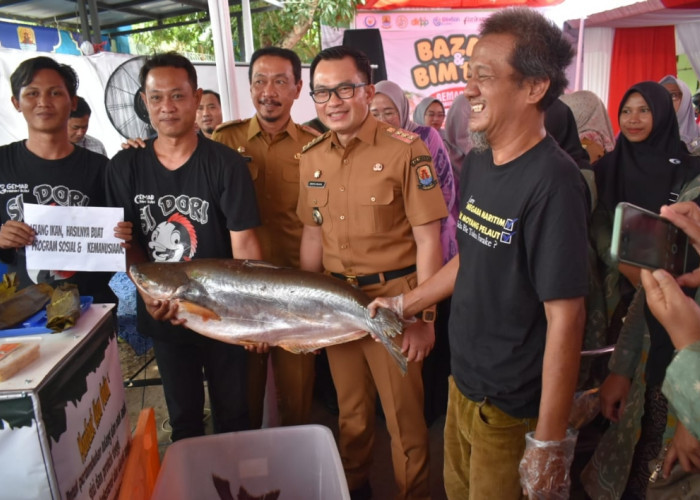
{"x":254,"y":128}
{"x":367,"y":132}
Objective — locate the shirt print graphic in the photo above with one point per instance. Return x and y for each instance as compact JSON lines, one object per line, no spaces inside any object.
{"x":44,"y":194}
{"x":488,"y":229}
{"x":175,"y":238}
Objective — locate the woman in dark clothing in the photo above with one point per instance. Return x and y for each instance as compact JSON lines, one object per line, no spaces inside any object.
{"x":649,"y":167}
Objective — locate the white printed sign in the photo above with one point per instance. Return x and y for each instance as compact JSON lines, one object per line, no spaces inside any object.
{"x":74,"y":238}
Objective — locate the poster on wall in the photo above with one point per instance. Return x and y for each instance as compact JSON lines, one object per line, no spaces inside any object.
{"x":426,"y":52}
{"x":38,"y":39}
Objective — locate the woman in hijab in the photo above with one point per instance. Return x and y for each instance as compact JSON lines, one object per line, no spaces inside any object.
{"x":594,"y":128}
{"x":391,"y":105}
{"x":456,"y":134}
{"x":430,"y":112}
{"x":649,"y":167}
{"x":682,"y":102}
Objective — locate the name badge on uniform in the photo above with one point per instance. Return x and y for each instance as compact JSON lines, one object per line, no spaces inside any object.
{"x":317,"y":184}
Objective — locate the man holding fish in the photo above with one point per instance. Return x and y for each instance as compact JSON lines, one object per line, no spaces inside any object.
{"x":371,"y":208}
{"x":271,"y":143}
{"x":191,"y":198}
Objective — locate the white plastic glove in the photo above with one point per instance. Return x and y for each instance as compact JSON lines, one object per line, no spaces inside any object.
{"x":544,"y":469}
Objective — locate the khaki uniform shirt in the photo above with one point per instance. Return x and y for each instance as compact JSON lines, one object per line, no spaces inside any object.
{"x":367,"y":196}
{"x":274,"y":166}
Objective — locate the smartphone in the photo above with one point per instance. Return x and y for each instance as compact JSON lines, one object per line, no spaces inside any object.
{"x":644,"y":239}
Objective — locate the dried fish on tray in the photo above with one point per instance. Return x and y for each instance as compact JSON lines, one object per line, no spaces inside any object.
{"x":23,"y":304}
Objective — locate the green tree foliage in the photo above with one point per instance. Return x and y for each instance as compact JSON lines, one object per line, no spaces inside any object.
{"x":297,"y":26}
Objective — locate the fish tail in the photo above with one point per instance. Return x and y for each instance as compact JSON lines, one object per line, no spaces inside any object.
{"x":385,"y":326}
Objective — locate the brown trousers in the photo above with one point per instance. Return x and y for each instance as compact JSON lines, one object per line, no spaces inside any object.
{"x":360,"y":370}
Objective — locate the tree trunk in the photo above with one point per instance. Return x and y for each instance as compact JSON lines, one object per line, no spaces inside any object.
{"x":300,"y":29}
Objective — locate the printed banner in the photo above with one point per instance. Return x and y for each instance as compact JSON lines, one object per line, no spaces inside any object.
{"x":74,"y":238}
{"x":426,"y":53}
{"x":88,"y":426}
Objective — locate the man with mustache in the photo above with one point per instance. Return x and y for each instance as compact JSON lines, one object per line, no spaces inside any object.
{"x":271,"y":143}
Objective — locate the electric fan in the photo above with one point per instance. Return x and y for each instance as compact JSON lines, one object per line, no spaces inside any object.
{"x":123,"y":102}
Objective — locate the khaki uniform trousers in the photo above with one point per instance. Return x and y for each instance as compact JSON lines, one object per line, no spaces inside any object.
{"x":362,"y":368}
{"x":294,"y":383}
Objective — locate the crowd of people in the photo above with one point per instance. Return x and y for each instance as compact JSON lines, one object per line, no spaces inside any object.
{"x":491,"y":237}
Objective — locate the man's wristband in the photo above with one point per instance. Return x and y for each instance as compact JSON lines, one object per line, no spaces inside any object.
{"x":428,"y":314}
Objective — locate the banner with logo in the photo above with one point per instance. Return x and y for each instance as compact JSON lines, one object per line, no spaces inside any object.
{"x":426,"y":52}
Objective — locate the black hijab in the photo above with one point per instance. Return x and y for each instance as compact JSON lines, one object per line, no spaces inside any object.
{"x":645,"y":173}
{"x":560,"y":123}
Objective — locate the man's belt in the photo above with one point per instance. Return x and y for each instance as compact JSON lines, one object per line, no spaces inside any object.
{"x":373,"y":279}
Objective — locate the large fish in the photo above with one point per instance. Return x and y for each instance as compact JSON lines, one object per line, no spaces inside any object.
{"x":250,"y":302}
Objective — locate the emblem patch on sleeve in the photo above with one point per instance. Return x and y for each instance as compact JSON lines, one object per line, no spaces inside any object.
{"x":426,"y":178}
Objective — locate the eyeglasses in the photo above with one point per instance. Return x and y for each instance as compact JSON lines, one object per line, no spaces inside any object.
{"x":430,"y":114}
{"x":343,"y":91}
{"x":676,"y":96}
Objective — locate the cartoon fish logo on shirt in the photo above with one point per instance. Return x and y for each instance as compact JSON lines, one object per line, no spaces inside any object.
{"x":173,"y":240}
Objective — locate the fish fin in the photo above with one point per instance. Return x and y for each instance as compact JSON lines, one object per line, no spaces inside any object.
{"x":396,"y":353}
{"x":307,"y":347}
{"x":385,"y":326}
{"x":223,"y":487}
{"x":205,"y":313}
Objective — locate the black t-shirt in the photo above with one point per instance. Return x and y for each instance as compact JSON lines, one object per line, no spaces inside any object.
{"x":76,"y":180}
{"x":182,"y":214}
{"x":522,"y":238}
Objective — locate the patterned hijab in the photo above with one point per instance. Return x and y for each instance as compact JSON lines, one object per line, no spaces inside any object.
{"x":591,"y":117}
{"x":686,"y":117}
{"x":398,"y":97}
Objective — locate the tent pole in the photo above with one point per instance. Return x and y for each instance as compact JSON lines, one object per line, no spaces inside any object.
{"x":84,"y":26}
{"x":225,"y":61}
{"x":248,"y":46}
{"x":95,"y":22}
{"x":579,"y":55}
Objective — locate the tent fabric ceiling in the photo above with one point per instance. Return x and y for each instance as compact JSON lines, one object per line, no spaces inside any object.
{"x":113,"y":14}
{"x":649,"y":13}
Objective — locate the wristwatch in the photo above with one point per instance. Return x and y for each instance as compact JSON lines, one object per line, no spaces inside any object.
{"x":428,"y":315}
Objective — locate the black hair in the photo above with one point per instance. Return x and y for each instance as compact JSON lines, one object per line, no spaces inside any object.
{"x":215,"y":94}
{"x":540,"y":50}
{"x":341,"y":52}
{"x":82,"y":109}
{"x":287,"y":54}
{"x":168,"y":60}
{"x":24,"y":74}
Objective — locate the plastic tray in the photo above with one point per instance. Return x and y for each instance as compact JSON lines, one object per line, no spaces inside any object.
{"x":37,"y":324}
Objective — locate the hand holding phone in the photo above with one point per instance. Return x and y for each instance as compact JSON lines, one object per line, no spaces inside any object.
{"x":644,"y":239}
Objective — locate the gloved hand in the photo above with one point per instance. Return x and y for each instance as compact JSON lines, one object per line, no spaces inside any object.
{"x":544,"y":469}
{"x":392,"y":303}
